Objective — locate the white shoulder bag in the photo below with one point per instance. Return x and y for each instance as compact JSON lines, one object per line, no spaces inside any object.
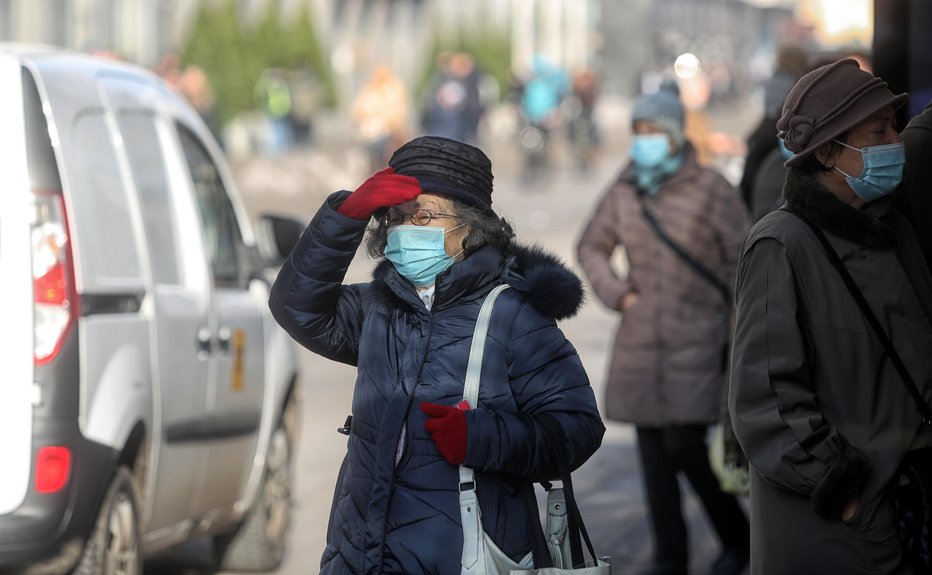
{"x":481,"y":556}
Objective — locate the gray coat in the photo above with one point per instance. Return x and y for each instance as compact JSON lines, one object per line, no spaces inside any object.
{"x":818,"y":408}
{"x":666,"y":365}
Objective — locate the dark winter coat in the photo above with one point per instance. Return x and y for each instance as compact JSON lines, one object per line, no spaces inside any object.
{"x":914,"y":196}
{"x":818,"y":408}
{"x":397,"y":511}
{"x":666,"y":366}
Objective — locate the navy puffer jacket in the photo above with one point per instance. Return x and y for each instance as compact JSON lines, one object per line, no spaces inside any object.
{"x":397,"y":509}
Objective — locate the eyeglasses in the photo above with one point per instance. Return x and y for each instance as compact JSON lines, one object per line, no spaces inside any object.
{"x":421,"y":217}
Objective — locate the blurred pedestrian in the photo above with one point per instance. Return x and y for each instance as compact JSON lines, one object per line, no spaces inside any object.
{"x":817,"y":404}
{"x":408,"y":331}
{"x":581,"y":128}
{"x":381,"y":110}
{"x":273,"y":97}
{"x":169,"y":69}
{"x":681,"y":226}
{"x":306,"y":96}
{"x":913,"y":196}
{"x":454,"y":107}
{"x":767,"y":188}
{"x":195,"y":86}
{"x":541,"y":97}
{"x":791,"y":64}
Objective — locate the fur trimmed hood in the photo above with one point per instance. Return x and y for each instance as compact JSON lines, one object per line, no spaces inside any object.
{"x":550,"y":286}
{"x":544,"y":280}
{"x":866,"y":226}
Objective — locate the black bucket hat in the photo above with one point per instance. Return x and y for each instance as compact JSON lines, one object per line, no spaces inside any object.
{"x":447,"y":167}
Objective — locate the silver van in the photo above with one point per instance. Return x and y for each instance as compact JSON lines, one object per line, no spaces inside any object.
{"x":147,"y":397}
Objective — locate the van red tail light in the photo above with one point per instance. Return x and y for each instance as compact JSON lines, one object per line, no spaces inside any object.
{"x":54,"y":301}
{"x":53,"y":469}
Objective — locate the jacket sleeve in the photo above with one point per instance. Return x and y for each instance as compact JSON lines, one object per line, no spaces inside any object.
{"x":594,"y":251}
{"x":731,"y":216}
{"x":772,"y":400}
{"x":545,"y":375}
{"x":308,"y":299}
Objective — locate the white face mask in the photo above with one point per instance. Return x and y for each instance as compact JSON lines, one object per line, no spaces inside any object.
{"x":419,"y":252}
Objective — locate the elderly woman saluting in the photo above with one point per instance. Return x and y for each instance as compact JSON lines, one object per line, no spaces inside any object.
{"x":408,"y":331}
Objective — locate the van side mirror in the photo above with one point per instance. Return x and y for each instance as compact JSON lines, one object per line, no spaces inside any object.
{"x":276,"y":236}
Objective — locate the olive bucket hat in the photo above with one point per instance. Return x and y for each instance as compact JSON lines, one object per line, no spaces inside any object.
{"x":827,"y":102}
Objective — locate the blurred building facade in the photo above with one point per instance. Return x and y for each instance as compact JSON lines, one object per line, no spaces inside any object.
{"x":358,"y":34}
{"x":622,"y":39}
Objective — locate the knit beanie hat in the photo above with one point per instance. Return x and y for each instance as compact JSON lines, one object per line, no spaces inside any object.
{"x":827,"y":102}
{"x":447,"y":167}
{"x":663,"y":108}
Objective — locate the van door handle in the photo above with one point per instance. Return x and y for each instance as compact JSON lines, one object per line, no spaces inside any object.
{"x":223,"y":339}
{"x":202,"y":341}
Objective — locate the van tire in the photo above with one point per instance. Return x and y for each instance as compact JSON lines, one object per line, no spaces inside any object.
{"x":259,"y":542}
{"x":113,"y":547}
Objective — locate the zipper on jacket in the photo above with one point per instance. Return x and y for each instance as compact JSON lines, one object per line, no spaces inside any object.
{"x":403,"y":430}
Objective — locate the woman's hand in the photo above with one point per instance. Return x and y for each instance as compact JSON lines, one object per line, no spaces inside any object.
{"x":628,"y":300}
{"x":447,"y":426}
{"x":383,"y":189}
{"x":851,"y":506}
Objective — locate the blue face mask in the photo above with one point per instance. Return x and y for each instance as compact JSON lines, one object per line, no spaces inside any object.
{"x":418,"y":252}
{"x":883,"y":170}
{"x":787,"y":154}
{"x":650,"y":150}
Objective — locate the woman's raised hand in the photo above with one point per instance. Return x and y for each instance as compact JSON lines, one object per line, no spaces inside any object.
{"x":383,"y":189}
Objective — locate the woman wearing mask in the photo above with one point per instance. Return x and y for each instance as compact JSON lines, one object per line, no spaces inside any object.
{"x":818,"y":405}
{"x":666,"y":375}
{"x":408,"y":332}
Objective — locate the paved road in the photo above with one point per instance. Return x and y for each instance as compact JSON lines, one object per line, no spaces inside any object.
{"x":550,"y":213}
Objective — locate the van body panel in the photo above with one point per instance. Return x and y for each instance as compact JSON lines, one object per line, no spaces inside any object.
{"x":117,"y":391}
{"x":237,"y":384}
{"x":16,"y":351}
{"x":173,"y":336}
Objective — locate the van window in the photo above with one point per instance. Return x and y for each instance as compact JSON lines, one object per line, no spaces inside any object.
{"x":101,"y":208}
{"x":147,"y":162}
{"x":221,"y":230}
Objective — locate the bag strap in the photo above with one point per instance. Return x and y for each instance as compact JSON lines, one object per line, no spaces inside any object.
{"x":576,"y":529}
{"x":924,"y":411}
{"x":474,"y":367}
{"x":687,"y":257}
{"x":477,"y":350}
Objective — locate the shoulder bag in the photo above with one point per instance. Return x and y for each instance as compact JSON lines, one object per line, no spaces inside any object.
{"x":725,"y":455}
{"x":481,"y":556}
{"x":912,"y":485}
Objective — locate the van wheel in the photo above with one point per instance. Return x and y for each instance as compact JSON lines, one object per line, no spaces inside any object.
{"x":113,"y":546}
{"x":259,"y":542}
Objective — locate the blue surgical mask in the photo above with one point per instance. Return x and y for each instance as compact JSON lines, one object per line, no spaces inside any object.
{"x":784,"y":151}
{"x":883,"y":170}
{"x":650,"y":150}
{"x":418,"y":252}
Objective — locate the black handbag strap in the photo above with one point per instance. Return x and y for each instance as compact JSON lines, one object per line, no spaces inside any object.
{"x":576,"y":529}
{"x":924,"y":411}
{"x":687,"y":257}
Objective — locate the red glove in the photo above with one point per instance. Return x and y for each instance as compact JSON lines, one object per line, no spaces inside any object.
{"x":447,"y":425}
{"x":382,"y":189}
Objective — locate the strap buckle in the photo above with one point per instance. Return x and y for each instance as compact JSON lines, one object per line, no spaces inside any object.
{"x":347,"y":426}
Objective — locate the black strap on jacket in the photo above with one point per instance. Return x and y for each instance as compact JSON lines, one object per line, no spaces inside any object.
{"x":687,"y":257}
{"x":576,"y":529}
{"x":924,"y":411}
